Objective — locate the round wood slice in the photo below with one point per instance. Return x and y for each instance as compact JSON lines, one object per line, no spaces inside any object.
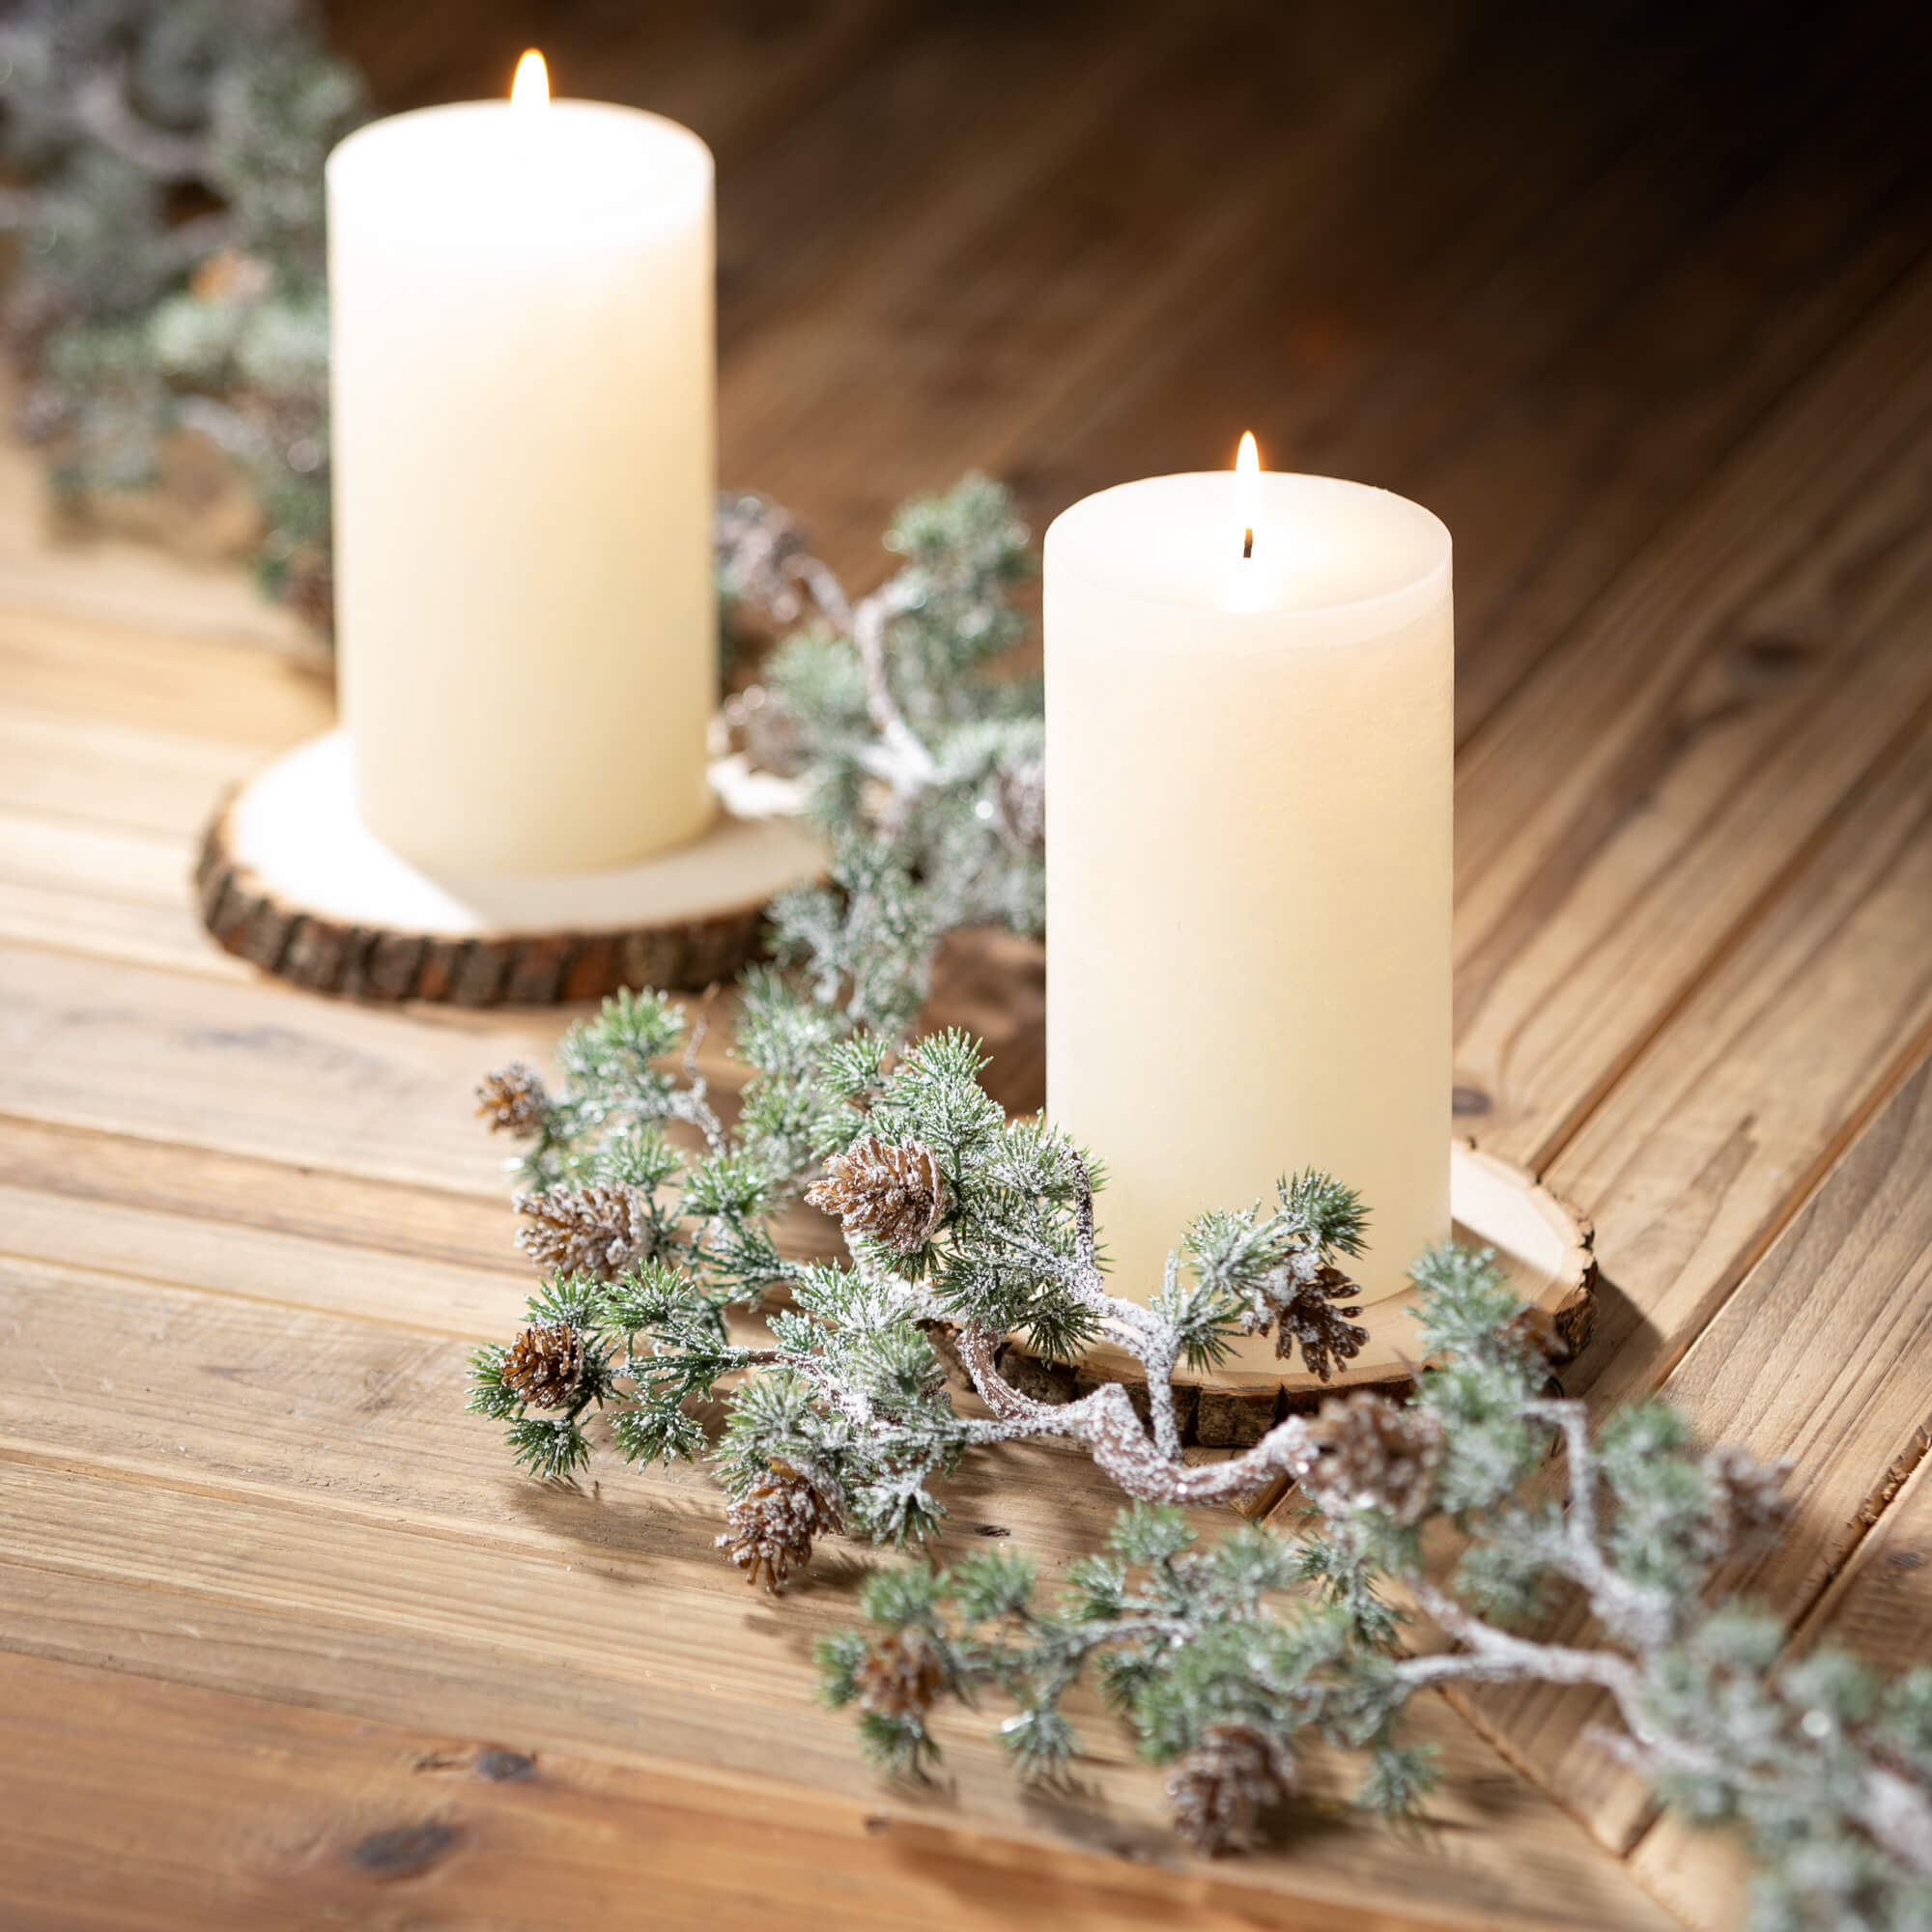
{"x":290,"y":880}
{"x":1545,"y":1244}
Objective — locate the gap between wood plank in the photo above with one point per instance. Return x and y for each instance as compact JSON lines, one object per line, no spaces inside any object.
{"x":1590,"y":877}
{"x":540,"y":1829}
{"x":1809,"y":1185}
{"x":1897,"y":749}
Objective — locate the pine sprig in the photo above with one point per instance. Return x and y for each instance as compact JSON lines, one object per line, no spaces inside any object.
{"x":129,"y":324}
{"x":964,"y":1227}
{"x":1225,"y":1663}
{"x":922,"y":762}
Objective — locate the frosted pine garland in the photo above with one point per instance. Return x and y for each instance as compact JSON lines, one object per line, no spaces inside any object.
{"x":1224,"y":1657}
{"x":127,"y":324}
{"x":922,"y":761}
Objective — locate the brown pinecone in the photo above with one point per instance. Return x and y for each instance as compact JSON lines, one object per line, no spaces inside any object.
{"x":513,"y":1099}
{"x":1315,"y":1316}
{"x":231,"y":275}
{"x":772,"y":1525}
{"x":1224,"y":1783}
{"x":42,"y":413}
{"x":764,"y":732}
{"x":544,"y":1364}
{"x":33,"y":311}
{"x":598,"y":1230}
{"x":1538,"y":1328}
{"x":1752,"y":1507}
{"x":895,"y":1195}
{"x":1374,"y":1455}
{"x":1021,"y":794}
{"x":901,"y":1675}
{"x":308,"y":590}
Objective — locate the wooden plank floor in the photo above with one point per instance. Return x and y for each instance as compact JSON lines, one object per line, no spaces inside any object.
{"x":1639,"y":299}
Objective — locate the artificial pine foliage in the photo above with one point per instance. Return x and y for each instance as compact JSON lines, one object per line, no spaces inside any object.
{"x":1222,"y":1660}
{"x":924,"y":764}
{"x":1478,"y":1505}
{"x":171,"y":272}
{"x":965,"y":1228}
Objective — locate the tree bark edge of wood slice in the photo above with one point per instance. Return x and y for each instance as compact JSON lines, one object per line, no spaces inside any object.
{"x":389,"y":959}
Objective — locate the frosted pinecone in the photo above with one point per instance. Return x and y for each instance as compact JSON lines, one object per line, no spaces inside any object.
{"x":1020,"y":792}
{"x":599,"y":1230}
{"x":770,"y":1528}
{"x":1752,"y":1507}
{"x":765,"y":730}
{"x":891,"y":1195}
{"x":760,"y":547}
{"x":1224,"y":1783}
{"x":231,"y":275}
{"x":901,"y":1675}
{"x":1313,"y":1309}
{"x":1374,"y":1455}
{"x":513,"y":1099}
{"x":545,"y":1364}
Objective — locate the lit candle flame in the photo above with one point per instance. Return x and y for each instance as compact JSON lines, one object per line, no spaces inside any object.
{"x":1248,"y":489}
{"x":532,"y":87}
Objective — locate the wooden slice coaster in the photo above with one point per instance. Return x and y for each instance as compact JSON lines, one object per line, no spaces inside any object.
{"x":290,"y":880}
{"x":1545,"y":1244}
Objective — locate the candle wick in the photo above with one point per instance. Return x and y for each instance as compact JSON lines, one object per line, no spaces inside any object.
{"x":1248,"y":543}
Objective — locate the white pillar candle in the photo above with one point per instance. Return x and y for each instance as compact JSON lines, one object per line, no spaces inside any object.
{"x":1248,"y":856}
{"x":521,"y":378}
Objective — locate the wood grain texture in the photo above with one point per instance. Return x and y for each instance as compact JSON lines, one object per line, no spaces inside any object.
{"x":66,"y":575}
{"x":1648,"y":789}
{"x":1875,"y":1605}
{"x":244,"y":1193}
{"x":1069,"y":252}
{"x":1741,"y":1105}
{"x":1552,"y":355}
{"x":113,"y":673}
{"x":261,"y":1814}
{"x":248,"y":1499}
{"x":1638,"y":298}
{"x":121,"y":1050}
{"x":1714,"y":1137}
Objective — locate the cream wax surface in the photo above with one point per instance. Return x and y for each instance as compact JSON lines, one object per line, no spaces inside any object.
{"x":523,"y":377}
{"x":1249,"y":785}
